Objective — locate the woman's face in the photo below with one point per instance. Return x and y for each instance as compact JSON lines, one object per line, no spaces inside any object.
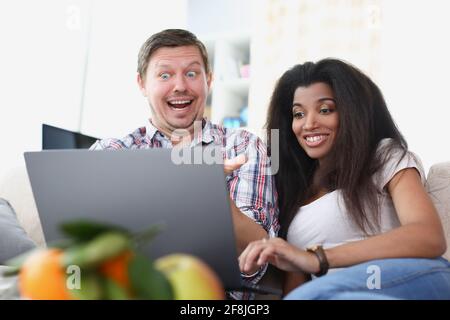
{"x":316,"y":119}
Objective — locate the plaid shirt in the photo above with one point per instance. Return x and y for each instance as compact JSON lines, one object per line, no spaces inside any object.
{"x":251,"y":187}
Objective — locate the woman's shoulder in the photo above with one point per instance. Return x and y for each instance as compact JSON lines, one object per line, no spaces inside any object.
{"x":390,"y":145}
{"x":393,"y":157}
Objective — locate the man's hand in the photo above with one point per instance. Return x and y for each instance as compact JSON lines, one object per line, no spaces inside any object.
{"x":229,"y":165}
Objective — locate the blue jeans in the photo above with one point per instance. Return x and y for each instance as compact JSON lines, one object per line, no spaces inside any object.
{"x":410,"y":278}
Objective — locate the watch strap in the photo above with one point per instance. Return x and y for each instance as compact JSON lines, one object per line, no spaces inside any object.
{"x":323,"y":261}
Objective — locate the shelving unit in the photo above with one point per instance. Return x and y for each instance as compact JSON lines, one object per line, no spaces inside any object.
{"x":230,"y":61}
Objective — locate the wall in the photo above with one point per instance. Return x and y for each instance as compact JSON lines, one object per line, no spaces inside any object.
{"x":41,"y":73}
{"x":217,"y":17}
{"x":414,"y":75}
{"x":48,"y":76}
{"x":400,"y":44}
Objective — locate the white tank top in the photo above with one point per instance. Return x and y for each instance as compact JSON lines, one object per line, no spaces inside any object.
{"x":325,"y":220}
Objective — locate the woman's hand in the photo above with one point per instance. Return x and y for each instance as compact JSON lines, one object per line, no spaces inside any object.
{"x":278,"y":252}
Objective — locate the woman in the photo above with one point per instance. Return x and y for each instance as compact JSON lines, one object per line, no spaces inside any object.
{"x":348,"y":183}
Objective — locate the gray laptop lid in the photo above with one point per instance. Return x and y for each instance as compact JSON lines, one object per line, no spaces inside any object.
{"x":135,"y":189}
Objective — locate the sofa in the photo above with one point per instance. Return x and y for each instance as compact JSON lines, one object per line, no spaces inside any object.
{"x":15,"y":188}
{"x":438,"y":187}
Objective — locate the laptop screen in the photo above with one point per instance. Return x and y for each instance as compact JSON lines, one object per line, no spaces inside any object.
{"x":58,"y":138}
{"x":136,"y":189}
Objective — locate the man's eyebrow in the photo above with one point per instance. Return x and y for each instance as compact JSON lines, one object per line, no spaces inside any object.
{"x":194,"y":62}
{"x":163,"y":65}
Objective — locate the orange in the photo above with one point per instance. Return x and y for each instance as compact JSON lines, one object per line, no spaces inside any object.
{"x":42,"y":276}
{"x":117,"y":269}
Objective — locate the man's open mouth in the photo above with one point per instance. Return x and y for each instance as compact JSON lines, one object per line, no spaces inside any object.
{"x":180,"y":104}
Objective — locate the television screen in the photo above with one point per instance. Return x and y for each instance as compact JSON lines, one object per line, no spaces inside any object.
{"x":58,"y":138}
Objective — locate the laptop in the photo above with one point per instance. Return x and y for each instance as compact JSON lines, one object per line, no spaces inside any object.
{"x":58,"y":138}
{"x":136,"y":189}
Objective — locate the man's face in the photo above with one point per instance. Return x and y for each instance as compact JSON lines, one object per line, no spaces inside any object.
{"x":176,"y":86}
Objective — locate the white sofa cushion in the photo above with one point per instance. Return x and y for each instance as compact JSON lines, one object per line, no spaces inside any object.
{"x":15,"y":187}
{"x":13,"y":239}
{"x":438,"y":187}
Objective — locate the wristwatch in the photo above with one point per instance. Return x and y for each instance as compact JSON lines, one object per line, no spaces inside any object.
{"x":323,"y":261}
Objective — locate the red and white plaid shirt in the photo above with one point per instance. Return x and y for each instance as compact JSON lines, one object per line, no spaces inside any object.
{"x":251,"y":187}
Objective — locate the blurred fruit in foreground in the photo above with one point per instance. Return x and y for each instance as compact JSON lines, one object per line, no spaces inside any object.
{"x":117,"y":269}
{"x":105,"y":246}
{"x":42,"y":276}
{"x":191,"y":278}
{"x":99,"y":261}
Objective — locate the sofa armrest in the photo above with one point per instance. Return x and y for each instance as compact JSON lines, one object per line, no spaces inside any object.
{"x":15,"y":187}
{"x":438,"y":187}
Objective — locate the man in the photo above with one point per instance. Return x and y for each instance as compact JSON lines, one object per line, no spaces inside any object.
{"x":175,"y":77}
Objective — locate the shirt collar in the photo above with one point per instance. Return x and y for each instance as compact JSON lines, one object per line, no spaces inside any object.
{"x":152,"y":132}
{"x":206,"y":132}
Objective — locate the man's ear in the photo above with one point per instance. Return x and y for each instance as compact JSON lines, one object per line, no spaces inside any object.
{"x":141,"y":84}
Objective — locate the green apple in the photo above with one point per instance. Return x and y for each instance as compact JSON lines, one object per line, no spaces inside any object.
{"x":190,"y":277}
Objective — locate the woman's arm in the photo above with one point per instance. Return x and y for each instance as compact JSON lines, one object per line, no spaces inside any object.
{"x":420,"y":235}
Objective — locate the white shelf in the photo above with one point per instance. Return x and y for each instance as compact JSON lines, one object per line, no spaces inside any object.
{"x":238,"y":86}
{"x":228,"y":54}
